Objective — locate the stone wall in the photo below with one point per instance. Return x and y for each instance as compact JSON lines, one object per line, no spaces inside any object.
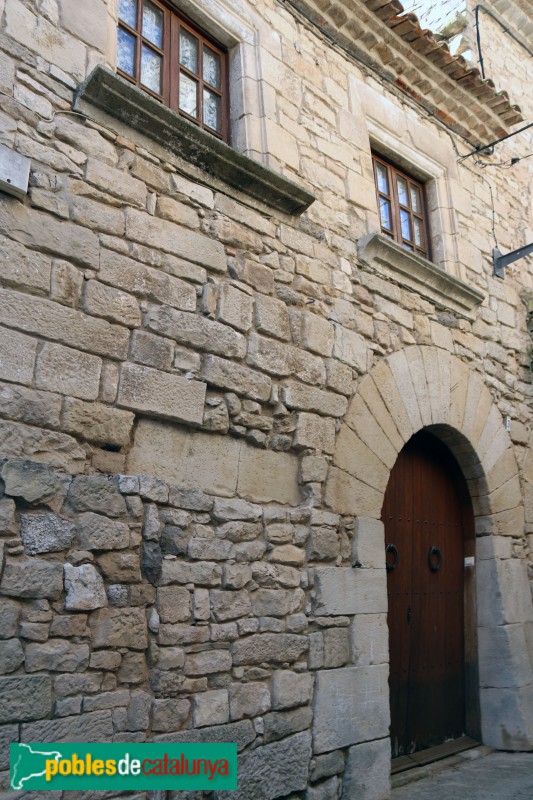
{"x":202,"y":397}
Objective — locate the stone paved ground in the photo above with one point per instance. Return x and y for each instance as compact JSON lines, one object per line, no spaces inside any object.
{"x":499,"y":776}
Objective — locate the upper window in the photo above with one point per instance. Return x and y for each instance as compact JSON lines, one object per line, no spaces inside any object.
{"x":171,"y":59}
{"x":402,"y":207}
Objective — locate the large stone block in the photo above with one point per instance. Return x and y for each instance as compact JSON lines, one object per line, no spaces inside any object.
{"x":59,"y":323}
{"x":351,"y":706}
{"x":370,"y":639}
{"x":242,"y":733}
{"x":274,"y":770}
{"x":68,"y":371}
{"x":235,"y":377}
{"x":283,"y":360}
{"x":44,"y":532}
{"x":277,"y":602}
{"x":30,"y":480}
{"x":211,"y":708}
{"x":504,"y":595}
{"x":507,"y":718}
{"x":96,"y":493}
{"x":25,"y":697}
{"x":96,"y":532}
{"x":146,"y":282}
{"x":367,"y":772}
{"x":345,"y":590}
{"x":234,"y":307}
{"x":275,"y":648}
{"x":248,"y":699}
{"x":56,"y":449}
{"x":97,"y":423}
{"x":11,"y":655}
{"x":187,"y":244}
{"x":272,"y":317}
{"x":96,"y":726}
{"x":56,"y":655}
{"x":304,"y":398}
{"x":9,"y":618}
{"x":503,"y":657}
{"x":351,"y":348}
{"x":196,"y":331}
{"x":119,"y":627}
{"x":369,"y":542}
{"x":161,"y":393}
{"x":266,"y":476}
{"x":291,"y":689}
{"x":23,"y":267}
{"x":348,"y":495}
{"x":32,"y":577}
{"x":315,"y":432}
{"x":85,"y":588}
{"x":17,"y":356}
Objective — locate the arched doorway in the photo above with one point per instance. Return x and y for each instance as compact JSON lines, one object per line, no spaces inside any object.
{"x":429,"y":532}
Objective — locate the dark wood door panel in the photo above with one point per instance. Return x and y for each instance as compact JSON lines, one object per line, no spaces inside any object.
{"x":423,"y":516}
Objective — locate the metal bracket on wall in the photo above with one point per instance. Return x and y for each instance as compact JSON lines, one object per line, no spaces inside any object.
{"x":500,"y":261}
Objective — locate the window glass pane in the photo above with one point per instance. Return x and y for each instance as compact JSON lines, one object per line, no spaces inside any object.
{"x":402,"y":191}
{"x":127,"y":11}
{"x":416,"y":202}
{"x":382,"y":179}
{"x":188,"y":95}
{"x":417,"y":224}
{"x":212,"y":110}
{"x":126,"y":52}
{"x":407,"y":246}
{"x":384,"y":213}
{"x":211,"y":68}
{"x":188,"y":50}
{"x":406,"y":229}
{"x":151,"y":70}
{"x":153,"y":24}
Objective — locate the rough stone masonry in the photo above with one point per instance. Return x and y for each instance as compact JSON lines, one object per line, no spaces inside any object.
{"x":204,"y":387}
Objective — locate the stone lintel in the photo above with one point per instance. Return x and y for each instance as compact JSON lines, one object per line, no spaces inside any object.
{"x":417,"y":273}
{"x":136,"y":108}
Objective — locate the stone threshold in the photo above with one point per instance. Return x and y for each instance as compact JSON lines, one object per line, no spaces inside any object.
{"x":415,"y":272}
{"x":137,"y":109}
{"x":407,"y":769}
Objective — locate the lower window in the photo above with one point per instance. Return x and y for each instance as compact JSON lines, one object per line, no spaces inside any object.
{"x":402,"y":207}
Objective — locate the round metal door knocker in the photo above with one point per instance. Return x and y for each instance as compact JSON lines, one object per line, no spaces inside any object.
{"x":435,"y":559}
{"x":391,"y":565}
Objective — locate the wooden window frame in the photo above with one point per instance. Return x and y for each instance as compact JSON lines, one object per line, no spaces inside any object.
{"x":397,"y":208}
{"x":173,"y":22}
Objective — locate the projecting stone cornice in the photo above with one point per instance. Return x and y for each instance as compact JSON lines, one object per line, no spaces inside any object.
{"x":377,"y":33}
{"x":417,"y":273}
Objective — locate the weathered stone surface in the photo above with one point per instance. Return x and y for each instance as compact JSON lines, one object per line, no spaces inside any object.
{"x":17,"y":356}
{"x":56,"y":449}
{"x":9,"y":734}
{"x":336,"y":647}
{"x":315,"y":432}
{"x":328,"y":764}
{"x":269,"y":647}
{"x":45,"y":532}
{"x":96,"y":532}
{"x":351,"y":706}
{"x":344,"y":590}
{"x":72,"y":328}
{"x":29,"y":480}
{"x":9,"y":618}
{"x":121,"y":567}
{"x":32,"y":577}
{"x":280,"y":724}
{"x":161,"y":393}
{"x":85,"y":588}
{"x":367,"y":773}
{"x":203,"y":573}
{"x":296,"y":395}
{"x":235,"y":377}
{"x":291,"y":689}
{"x":207,"y":662}
{"x":119,"y":627}
{"x":274,"y":770}
{"x":11,"y":656}
{"x":351,"y":348}
{"x":370,"y":639}
{"x":62,"y":369}
{"x":277,"y":602}
{"x":503,"y":658}
{"x":56,"y":655}
{"x":234,"y":307}
{"x":230,"y":605}
{"x":209,"y":549}
{"x":169,"y":715}
{"x":97,"y":423}
{"x":96,"y":493}
{"x":369,"y":542}
{"x":69,"y":625}
{"x":211,"y":708}
{"x":173,"y":603}
{"x":283,"y":360}
{"x":197,"y":332}
{"x":248,"y":699}
{"x":94,"y":727}
{"x":242,"y":733}
{"x":25,"y":697}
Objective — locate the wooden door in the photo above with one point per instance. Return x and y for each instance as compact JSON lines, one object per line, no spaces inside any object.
{"x":425,"y":511}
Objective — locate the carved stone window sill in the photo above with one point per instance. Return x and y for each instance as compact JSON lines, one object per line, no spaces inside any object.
{"x":419,"y":274}
{"x":137,"y":109}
